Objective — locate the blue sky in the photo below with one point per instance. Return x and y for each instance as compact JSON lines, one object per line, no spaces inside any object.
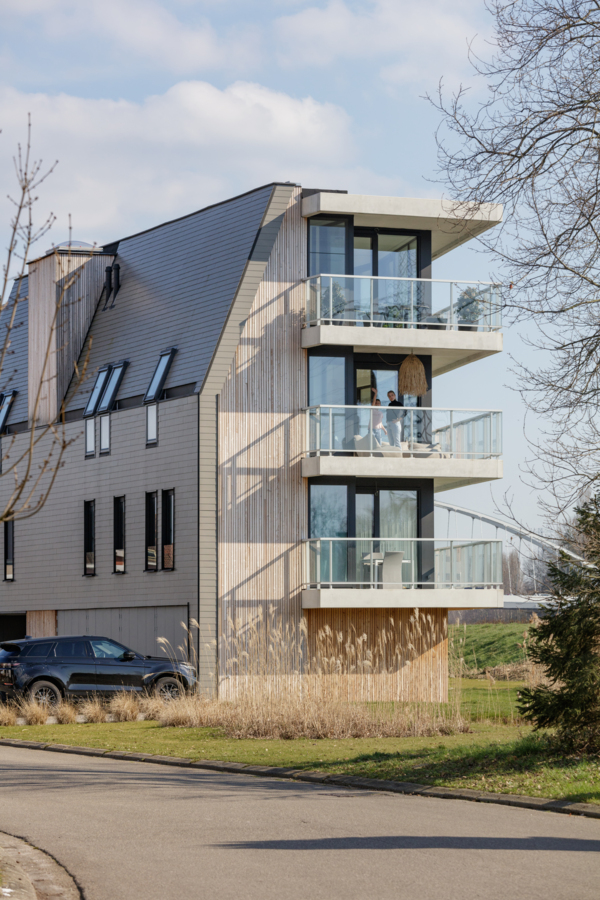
{"x":157,"y":108}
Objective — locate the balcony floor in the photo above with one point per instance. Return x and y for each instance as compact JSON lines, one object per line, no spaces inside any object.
{"x":446,"y":473}
{"x":411,"y":598}
{"x":448,"y":349}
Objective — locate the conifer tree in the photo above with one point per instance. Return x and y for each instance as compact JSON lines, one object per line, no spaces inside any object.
{"x":566,"y":644}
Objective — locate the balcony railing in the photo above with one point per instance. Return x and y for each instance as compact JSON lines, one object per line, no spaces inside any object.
{"x":401,"y":563}
{"x":408,"y":432}
{"x":367,"y":301}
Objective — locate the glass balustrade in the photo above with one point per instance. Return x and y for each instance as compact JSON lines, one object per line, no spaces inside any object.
{"x":367,"y":301}
{"x":404,"y":432}
{"x":402,"y":563}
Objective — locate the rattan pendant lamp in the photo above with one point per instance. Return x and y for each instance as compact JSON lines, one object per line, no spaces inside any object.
{"x":411,"y":377}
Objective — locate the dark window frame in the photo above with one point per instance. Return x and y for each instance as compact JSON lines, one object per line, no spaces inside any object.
{"x":155,"y":395}
{"x":151,"y":530}
{"x":107,"y":400}
{"x":9,"y":549}
{"x":90,"y":421}
{"x":119,"y":520}
{"x":89,"y":537}
{"x":168,"y":527}
{"x":6,"y":402}
{"x":91,"y":407}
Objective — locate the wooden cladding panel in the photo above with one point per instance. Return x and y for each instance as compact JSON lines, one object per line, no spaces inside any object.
{"x":262,"y":497}
{"x":60,"y":315}
{"x":391,"y":654}
{"x":41,"y":623}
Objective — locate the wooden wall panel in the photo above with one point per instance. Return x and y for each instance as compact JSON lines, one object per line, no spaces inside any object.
{"x":262,"y":497}
{"x":41,"y":623}
{"x":384,"y":654}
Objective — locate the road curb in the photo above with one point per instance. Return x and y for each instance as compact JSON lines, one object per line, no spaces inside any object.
{"x":349,"y":781}
{"x":32,"y":874}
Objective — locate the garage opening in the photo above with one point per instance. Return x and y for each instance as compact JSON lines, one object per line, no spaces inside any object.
{"x":13,"y":628}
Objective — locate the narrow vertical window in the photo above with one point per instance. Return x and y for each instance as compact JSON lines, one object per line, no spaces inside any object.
{"x":168,"y":529}
{"x":9,"y":550}
{"x":89,"y":537}
{"x":90,"y":437}
{"x":119,"y":534}
{"x":152,"y":424}
{"x":104,"y":434}
{"x":151,"y":531}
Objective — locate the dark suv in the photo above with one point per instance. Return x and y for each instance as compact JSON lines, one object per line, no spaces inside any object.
{"x":48,"y":669}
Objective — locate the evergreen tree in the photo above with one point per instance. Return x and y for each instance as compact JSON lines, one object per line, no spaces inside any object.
{"x":567,"y":644}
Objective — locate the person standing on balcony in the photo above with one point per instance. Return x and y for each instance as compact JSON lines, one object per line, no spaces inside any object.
{"x":394,"y":420}
{"x":377,"y":420}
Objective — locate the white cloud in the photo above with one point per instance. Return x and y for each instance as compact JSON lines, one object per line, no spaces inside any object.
{"x":145,"y":29}
{"x":125,"y":166}
{"x":426,"y":40}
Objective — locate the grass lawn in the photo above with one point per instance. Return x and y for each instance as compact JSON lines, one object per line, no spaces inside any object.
{"x":488,"y":644}
{"x":495,"y":756}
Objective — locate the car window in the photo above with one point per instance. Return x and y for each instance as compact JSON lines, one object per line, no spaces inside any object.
{"x":71,"y":649}
{"x":38,"y":651}
{"x":107,"y":649}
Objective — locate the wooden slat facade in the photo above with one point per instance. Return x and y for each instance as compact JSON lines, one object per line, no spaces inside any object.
{"x":41,"y":622}
{"x":263,"y":508}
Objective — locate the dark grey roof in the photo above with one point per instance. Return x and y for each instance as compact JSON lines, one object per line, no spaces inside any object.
{"x":14,"y":371}
{"x":178,"y":281}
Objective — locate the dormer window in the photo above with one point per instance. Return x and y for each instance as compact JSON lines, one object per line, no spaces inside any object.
{"x":101,"y":379}
{"x":112,"y":387}
{"x":6,"y":401}
{"x":160,"y":375}
{"x":108,"y":381}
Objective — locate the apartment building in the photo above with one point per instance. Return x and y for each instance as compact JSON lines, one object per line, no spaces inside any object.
{"x":234,"y":455}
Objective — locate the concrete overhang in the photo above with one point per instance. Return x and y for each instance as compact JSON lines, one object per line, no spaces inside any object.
{"x":446,"y":474}
{"x":448,"y":349}
{"x":411,"y":598}
{"x":451,"y":224}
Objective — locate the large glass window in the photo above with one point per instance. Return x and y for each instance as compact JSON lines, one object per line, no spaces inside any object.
{"x":105,"y":434}
{"x":151,"y":532}
{"x":326,"y":380}
{"x":152,"y":424}
{"x":363,"y":254}
{"x":328,"y":510}
{"x":89,"y":537}
{"x":327,"y":247}
{"x":397,"y":256}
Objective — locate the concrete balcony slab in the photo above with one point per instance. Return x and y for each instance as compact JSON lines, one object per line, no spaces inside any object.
{"x":410,"y":598}
{"x":448,"y":349}
{"x":446,"y":473}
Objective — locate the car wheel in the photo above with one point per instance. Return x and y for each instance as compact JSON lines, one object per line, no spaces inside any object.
{"x":169,"y":689}
{"x":45,"y":693}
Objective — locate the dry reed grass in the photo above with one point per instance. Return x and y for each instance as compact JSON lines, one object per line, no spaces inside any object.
{"x":8,"y":714}
{"x":93,"y":709}
{"x":66,"y":713}
{"x":124,"y":707}
{"x":150,"y":706}
{"x":301,"y":714}
{"x":33,"y":712}
{"x":278,"y":684}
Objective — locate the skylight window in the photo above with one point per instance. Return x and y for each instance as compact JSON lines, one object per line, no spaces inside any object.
{"x":101,"y":379}
{"x":112,"y":386}
{"x":160,"y":375}
{"x":6,"y":401}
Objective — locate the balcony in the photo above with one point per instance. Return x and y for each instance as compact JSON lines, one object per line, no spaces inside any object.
{"x":397,"y":573}
{"x":453,"y":447}
{"x":453,"y":322}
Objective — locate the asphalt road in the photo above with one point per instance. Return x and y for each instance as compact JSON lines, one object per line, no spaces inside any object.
{"x":133,"y":830}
